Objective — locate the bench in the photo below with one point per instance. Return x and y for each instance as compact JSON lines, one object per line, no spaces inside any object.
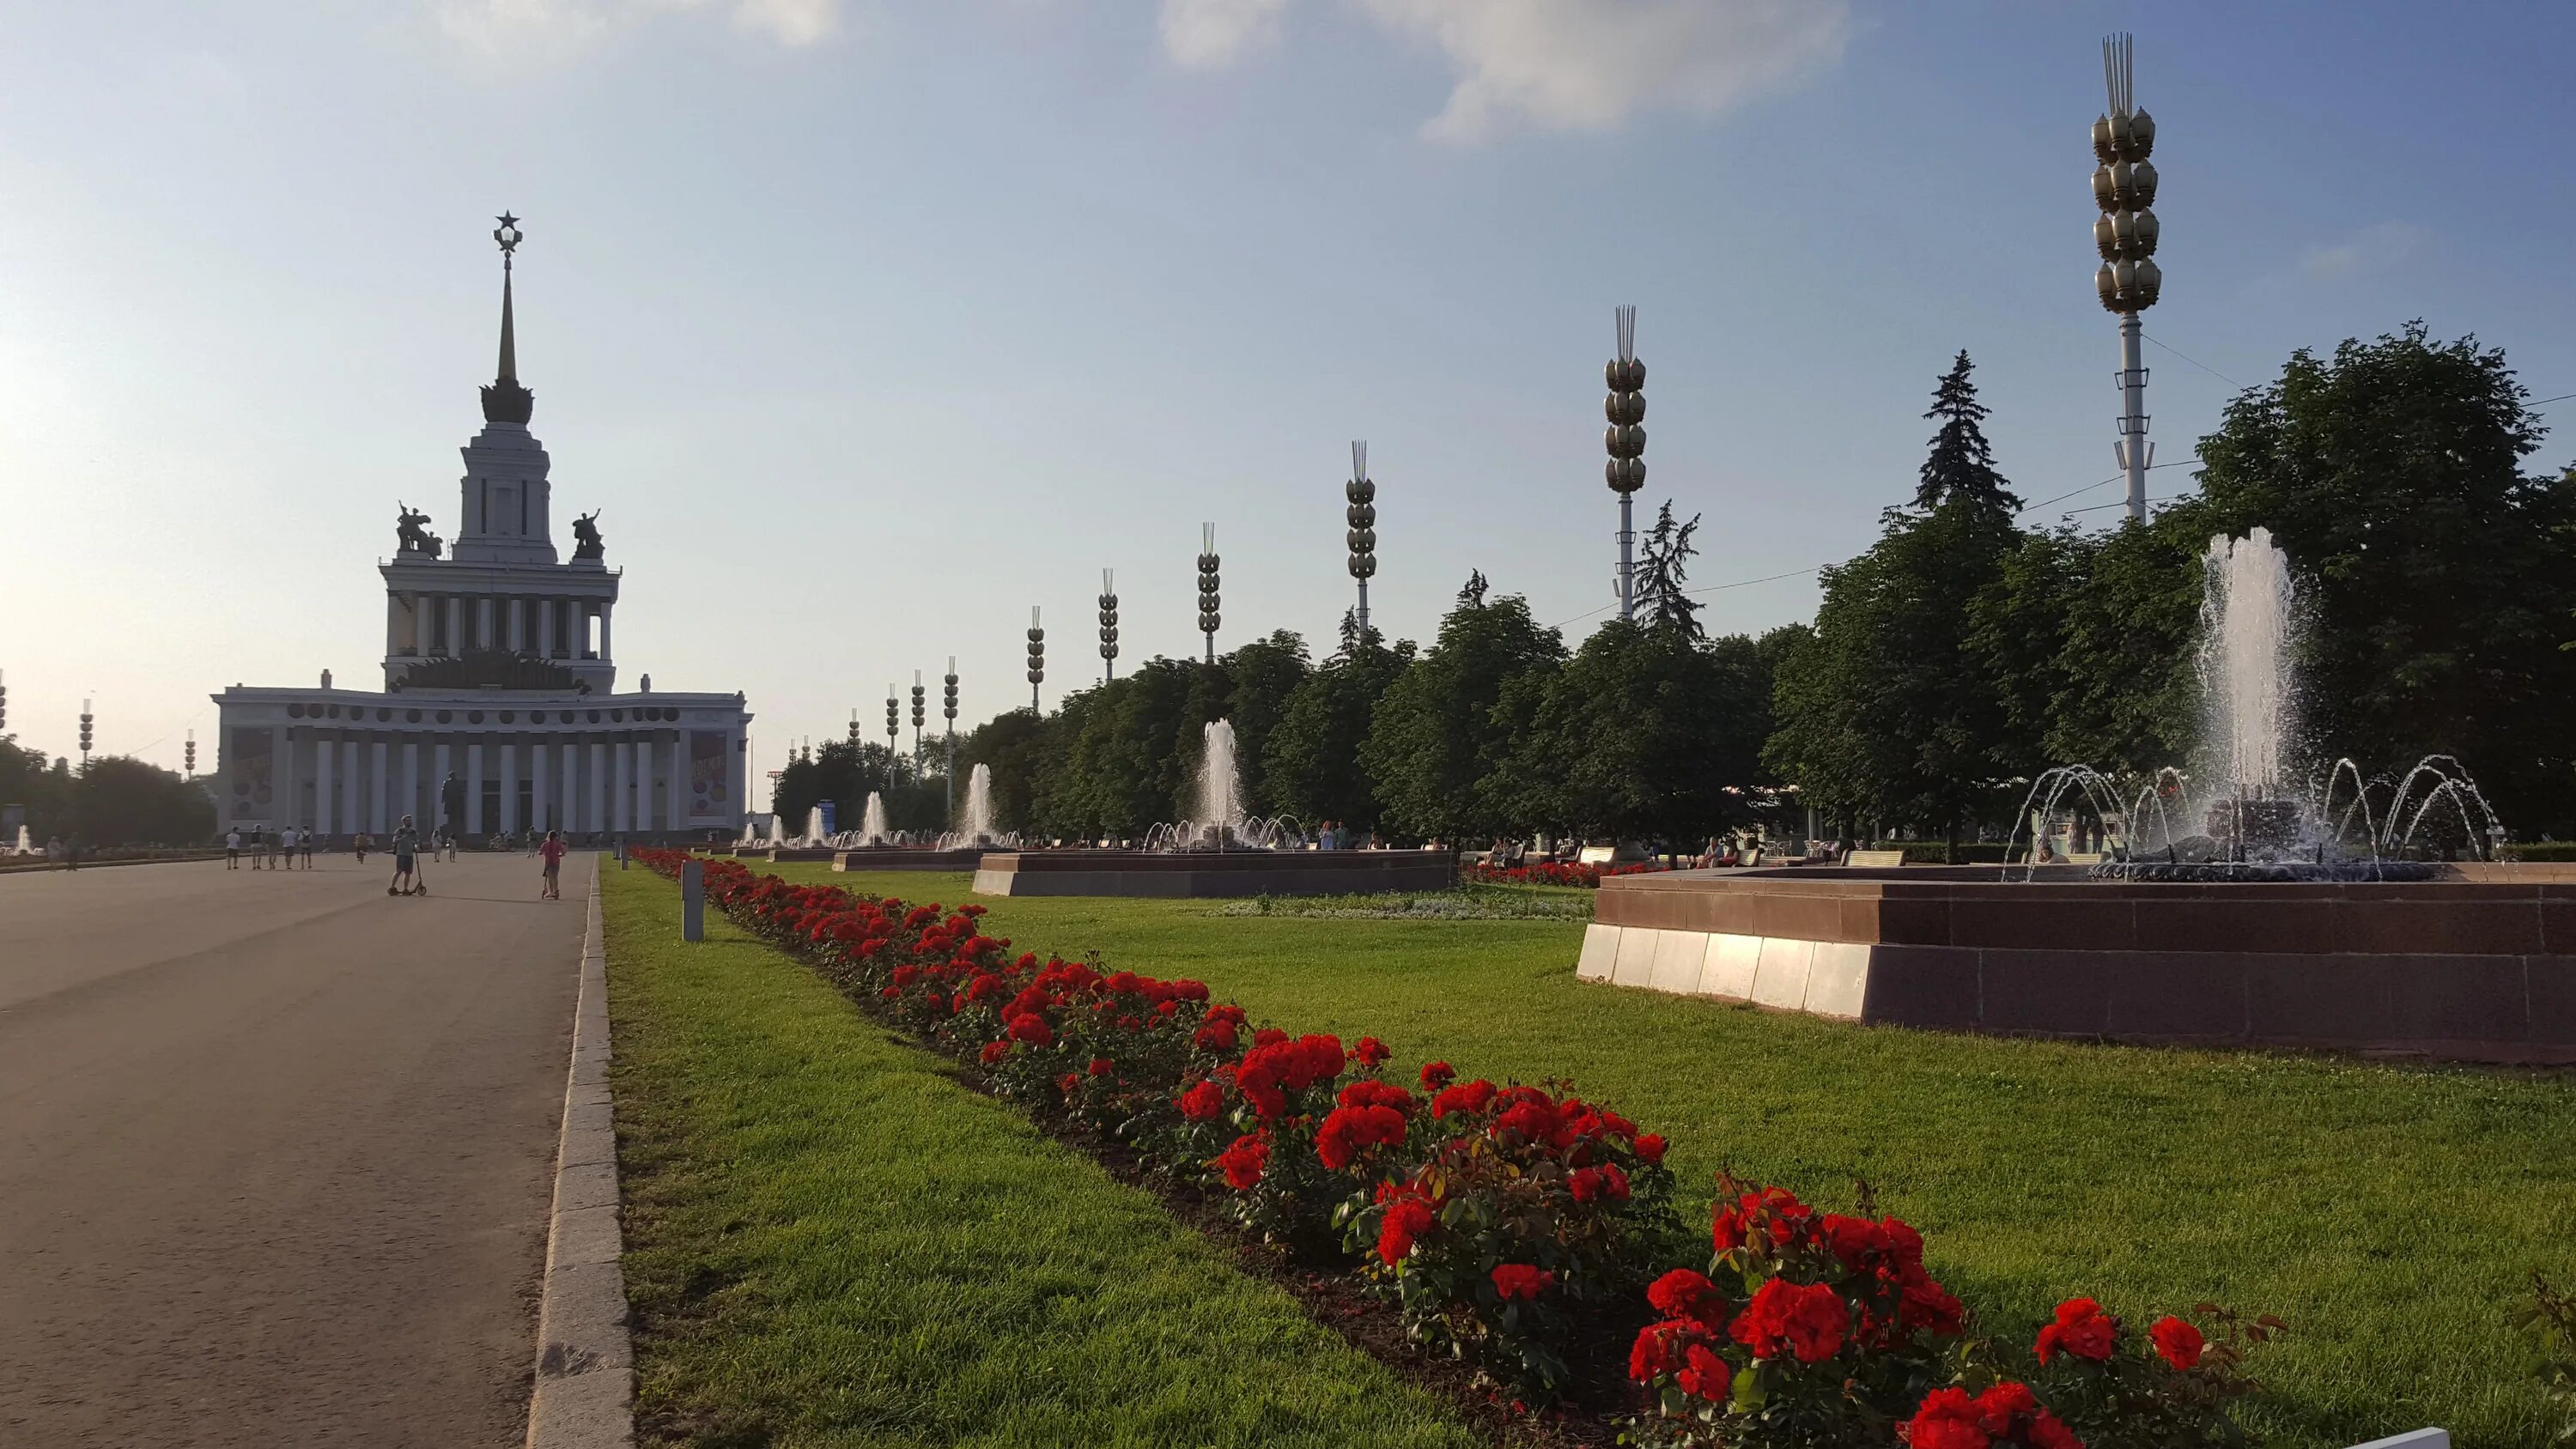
{"x":1875,"y":859}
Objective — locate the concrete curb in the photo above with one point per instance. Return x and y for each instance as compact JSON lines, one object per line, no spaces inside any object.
{"x":585,"y":1385}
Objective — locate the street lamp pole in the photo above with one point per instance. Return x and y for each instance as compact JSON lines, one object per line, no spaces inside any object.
{"x":2124,"y":187}
{"x":1626,"y":442}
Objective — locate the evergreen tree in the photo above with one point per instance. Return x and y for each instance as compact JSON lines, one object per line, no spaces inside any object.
{"x":1962,"y":463}
{"x":1661,"y":580}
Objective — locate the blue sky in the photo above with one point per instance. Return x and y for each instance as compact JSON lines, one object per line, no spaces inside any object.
{"x":870,"y":324}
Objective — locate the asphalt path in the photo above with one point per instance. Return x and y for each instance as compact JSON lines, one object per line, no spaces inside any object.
{"x":276,"y":1151}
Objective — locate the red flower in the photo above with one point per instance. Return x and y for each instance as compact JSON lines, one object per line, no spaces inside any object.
{"x":1366,"y":1093}
{"x":1202,"y":1103}
{"x":993,"y":1052}
{"x":2008,"y":1413}
{"x":1650,"y":1147}
{"x":1407,"y":1218}
{"x":1242,"y":1163}
{"x":1473,"y":1096}
{"x":1436,"y":1075}
{"x":1215,"y":1036}
{"x":1682,"y":1293}
{"x":1101,"y":1067}
{"x":1032,"y":1029}
{"x":1705,"y":1376}
{"x":2179,"y":1342}
{"x":1370,"y":1051}
{"x":1349,"y":1130}
{"x":1520,"y":1280}
{"x":2082,"y":1329}
{"x":1657,"y":1351}
{"x":1807,"y":1320}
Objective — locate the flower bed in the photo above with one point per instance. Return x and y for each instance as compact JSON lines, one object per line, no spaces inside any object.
{"x":1509,"y":1225}
{"x":1553,"y":872}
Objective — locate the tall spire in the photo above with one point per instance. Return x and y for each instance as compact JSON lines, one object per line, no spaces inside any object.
{"x":505,"y":401}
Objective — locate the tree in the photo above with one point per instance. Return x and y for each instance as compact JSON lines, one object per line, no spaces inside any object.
{"x":1885,"y":711}
{"x":1961,"y":464}
{"x":1661,"y":578}
{"x":1311,"y":760}
{"x":1265,"y":675}
{"x":2434,"y":572}
{"x":1013,"y":746}
{"x":119,"y":800}
{"x":1434,"y":736}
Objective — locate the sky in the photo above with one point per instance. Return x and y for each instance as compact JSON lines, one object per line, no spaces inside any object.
{"x":870,"y":324}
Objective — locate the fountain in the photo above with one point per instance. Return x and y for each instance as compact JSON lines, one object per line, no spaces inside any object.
{"x":25,"y":845}
{"x":2255,"y":902}
{"x":1220,"y":850}
{"x":872,"y":824}
{"x":873,"y":847}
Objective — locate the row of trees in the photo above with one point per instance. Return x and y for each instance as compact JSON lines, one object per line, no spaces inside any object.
{"x":1948,"y":664}
{"x":112,"y":800}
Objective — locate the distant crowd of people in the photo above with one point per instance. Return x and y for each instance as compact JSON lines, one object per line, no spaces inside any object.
{"x":291,"y":847}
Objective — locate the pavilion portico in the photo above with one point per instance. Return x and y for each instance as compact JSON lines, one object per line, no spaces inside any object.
{"x":499,"y":671}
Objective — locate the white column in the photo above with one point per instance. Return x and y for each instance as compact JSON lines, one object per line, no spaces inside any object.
{"x":567,"y":784}
{"x":483,"y":635}
{"x":605,"y":611}
{"x":595,"y":806}
{"x":439,"y":768}
{"x":509,"y":748}
{"x":538,"y":749}
{"x":322,"y":763}
{"x":644,"y":753}
{"x":474,"y":771}
{"x":393,"y":623}
{"x":455,"y":624}
{"x":380,"y":787}
{"x":351,"y":774}
{"x":678,"y":818}
{"x":518,"y":608}
{"x":620,"y":798}
{"x":408,"y":802}
{"x":545,"y":628}
{"x":281,"y":780}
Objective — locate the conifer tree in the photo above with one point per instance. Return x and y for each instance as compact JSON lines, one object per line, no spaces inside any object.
{"x":1962,"y":463}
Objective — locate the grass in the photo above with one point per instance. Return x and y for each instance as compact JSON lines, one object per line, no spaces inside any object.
{"x":832,"y":1242}
{"x":2391,"y":1213}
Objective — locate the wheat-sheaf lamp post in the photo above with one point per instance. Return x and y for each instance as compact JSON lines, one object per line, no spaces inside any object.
{"x":1209,"y":619}
{"x":894,"y":734}
{"x":2124,"y":186}
{"x":948,"y":708}
{"x":1108,"y":624}
{"x":1037,"y":658}
{"x":1361,"y":514}
{"x":1626,"y":442}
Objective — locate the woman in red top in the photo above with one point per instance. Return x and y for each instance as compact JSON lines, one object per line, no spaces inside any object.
{"x":551,"y":855}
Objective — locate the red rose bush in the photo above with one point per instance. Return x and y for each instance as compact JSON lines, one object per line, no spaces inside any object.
{"x":1505,"y":1223}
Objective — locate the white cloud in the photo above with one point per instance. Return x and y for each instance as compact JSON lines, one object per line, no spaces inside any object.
{"x":550,"y":29}
{"x":1212,"y":34}
{"x":2381,"y":244}
{"x":1587,"y":65}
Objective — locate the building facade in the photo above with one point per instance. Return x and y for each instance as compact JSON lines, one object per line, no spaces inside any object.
{"x":498,"y":712}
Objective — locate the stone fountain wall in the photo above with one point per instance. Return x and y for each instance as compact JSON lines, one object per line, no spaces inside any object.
{"x":2477,"y":966}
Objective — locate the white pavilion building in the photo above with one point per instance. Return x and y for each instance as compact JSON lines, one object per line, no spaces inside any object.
{"x":499,"y":675}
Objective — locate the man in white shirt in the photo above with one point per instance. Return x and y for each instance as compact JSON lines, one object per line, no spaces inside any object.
{"x":232,"y":849}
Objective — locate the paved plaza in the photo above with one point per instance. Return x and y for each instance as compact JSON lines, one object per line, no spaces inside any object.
{"x":276,"y":1151}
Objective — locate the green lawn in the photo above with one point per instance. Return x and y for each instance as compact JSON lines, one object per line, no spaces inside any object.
{"x":831,"y":1242}
{"x":2391,"y":1214}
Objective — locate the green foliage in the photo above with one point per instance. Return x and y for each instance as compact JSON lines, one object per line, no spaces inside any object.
{"x":1311,"y":758}
{"x":845,"y":773}
{"x":1887,"y":710}
{"x":1436,"y":737}
{"x":2438,"y":575}
{"x":1663,"y":593}
{"x":112,"y":800}
{"x":1961,"y":465}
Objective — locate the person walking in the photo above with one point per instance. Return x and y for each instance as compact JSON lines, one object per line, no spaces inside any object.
{"x":406,"y":845}
{"x":232,"y":849}
{"x":304,"y":839}
{"x":77,"y":842}
{"x":362,"y":842}
{"x":551,"y":855}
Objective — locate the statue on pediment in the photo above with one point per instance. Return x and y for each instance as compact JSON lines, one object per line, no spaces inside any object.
{"x":411,"y":527}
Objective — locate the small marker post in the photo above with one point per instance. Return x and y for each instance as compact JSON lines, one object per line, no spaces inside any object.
{"x":693,"y":900}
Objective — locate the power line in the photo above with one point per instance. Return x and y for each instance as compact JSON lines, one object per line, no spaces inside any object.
{"x":2203,"y":366}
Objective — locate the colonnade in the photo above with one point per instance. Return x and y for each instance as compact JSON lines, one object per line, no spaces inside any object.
{"x":420,"y":625}
{"x":342,"y":780}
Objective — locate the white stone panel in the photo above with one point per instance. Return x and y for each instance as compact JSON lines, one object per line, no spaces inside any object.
{"x":1836,"y":977}
{"x":1678,"y":959}
{"x":1600,"y":948}
{"x":1635,"y":963}
{"x":1781,"y":977}
{"x":1729,"y":969}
